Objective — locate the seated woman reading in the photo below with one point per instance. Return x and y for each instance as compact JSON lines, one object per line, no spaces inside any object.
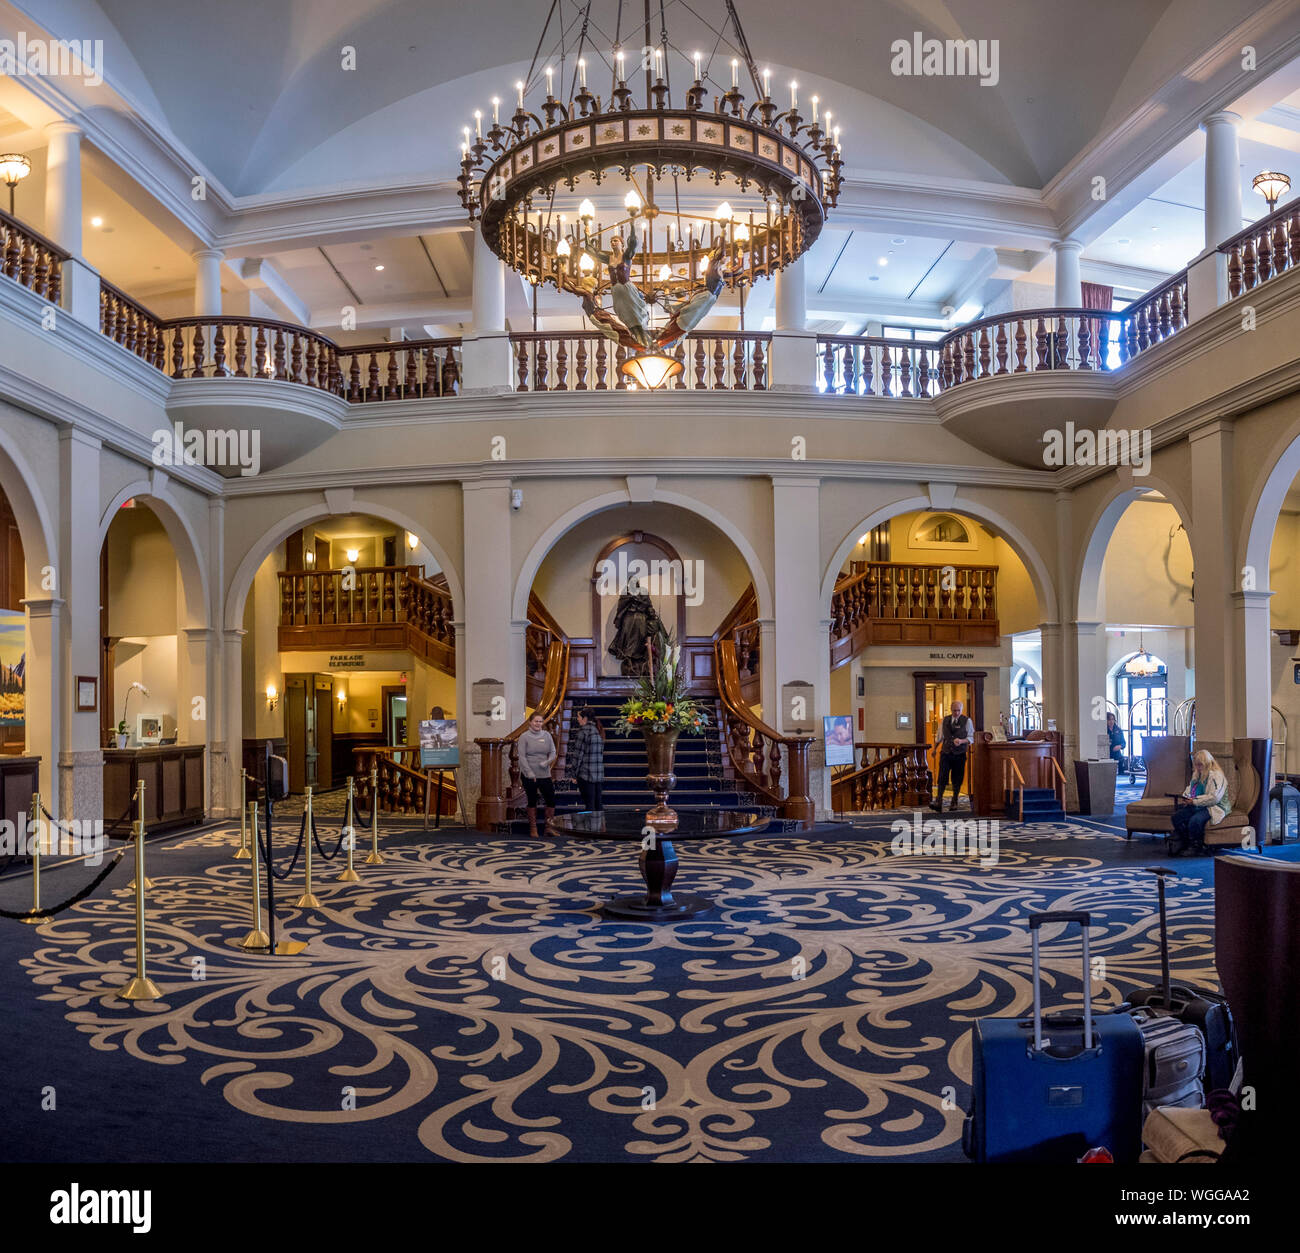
{"x":1201,"y":805}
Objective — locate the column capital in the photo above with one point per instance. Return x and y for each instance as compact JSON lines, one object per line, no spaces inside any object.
{"x":494,"y":484}
{"x":207,"y":254}
{"x":63,"y":126}
{"x":234,"y":635}
{"x":1067,"y":245}
{"x":198,"y":634}
{"x":812,"y":481}
{"x":74,"y":435}
{"x":1257,"y":599}
{"x":42,"y":607}
{"x":1221,"y":117}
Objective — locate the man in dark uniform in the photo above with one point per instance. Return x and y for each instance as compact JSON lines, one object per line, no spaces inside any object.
{"x":955,"y":735}
{"x":1116,"y":738}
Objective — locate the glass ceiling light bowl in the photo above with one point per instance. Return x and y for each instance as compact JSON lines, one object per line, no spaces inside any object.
{"x":771,"y":174}
{"x":651,"y":370}
{"x":1272,"y":186}
{"x":14,"y":167}
{"x":1143,"y":665}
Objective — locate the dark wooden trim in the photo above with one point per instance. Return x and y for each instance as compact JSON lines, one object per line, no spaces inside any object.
{"x":975,"y":677}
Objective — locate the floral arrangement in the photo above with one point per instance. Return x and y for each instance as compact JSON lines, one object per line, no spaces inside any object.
{"x":661,"y":702}
{"x":136,"y":686}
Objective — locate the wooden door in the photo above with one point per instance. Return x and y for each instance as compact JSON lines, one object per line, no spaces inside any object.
{"x":324,"y":731}
{"x":295,"y":730}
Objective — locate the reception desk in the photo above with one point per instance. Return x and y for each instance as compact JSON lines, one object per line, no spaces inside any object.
{"x":173,"y":782}
{"x":989,"y":768}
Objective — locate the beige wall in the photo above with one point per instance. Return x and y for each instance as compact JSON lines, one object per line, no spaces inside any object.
{"x":563,"y":581}
{"x":141,"y":575}
{"x":1147,"y":570}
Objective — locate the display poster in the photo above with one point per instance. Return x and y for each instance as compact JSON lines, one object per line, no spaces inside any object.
{"x":439,"y":744}
{"x":838,"y":729}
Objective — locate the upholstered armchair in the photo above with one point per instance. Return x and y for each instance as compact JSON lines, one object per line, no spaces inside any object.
{"x":1169,"y":769}
{"x":1252,"y":760}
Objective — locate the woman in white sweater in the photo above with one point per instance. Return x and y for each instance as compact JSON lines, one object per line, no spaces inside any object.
{"x":1202,"y":804}
{"x":536,"y":758}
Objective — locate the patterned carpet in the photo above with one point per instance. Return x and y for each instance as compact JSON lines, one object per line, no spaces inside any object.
{"x":465,"y":1002}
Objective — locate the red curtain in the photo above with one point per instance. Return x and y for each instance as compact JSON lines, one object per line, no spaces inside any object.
{"x":1096,"y":296}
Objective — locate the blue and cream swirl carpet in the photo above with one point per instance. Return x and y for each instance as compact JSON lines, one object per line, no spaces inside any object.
{"x":465,"y":1002}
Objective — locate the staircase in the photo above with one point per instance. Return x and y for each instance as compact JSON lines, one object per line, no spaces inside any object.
{"x":1041,"y":805}
{"x":697,"y":766}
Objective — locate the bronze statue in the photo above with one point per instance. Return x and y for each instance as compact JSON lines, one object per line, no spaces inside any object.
{"x":635,"y":622}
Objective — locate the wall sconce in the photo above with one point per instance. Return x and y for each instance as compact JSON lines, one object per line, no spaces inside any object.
{"x":272,"y":697}
{"x":352,"y":554}
{"x":310,"y":557}
{"x":14,"y":167}
{"x":412,"y":541}
{"x":343,"y":699}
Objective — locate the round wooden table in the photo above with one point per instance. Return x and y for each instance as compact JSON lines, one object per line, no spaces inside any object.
{"x":658,"y":860}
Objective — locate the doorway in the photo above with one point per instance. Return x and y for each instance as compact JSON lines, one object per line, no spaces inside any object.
{"x":935,"y":691}
{"x":394,"y":716}
{"x":1145,"y":700}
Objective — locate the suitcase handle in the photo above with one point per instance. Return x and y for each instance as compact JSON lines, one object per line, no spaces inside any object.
{"x":1084,"y":921}
{"x":1059,"y":915}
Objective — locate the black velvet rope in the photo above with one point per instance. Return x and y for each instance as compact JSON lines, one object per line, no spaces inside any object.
{"x":289,"y":869}
{"x":316,"y":838}
{"x":50,"y":910}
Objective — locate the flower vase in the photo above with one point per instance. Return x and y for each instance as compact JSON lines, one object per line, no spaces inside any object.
{"x":660,"y":747}
{"x":121,"y":741}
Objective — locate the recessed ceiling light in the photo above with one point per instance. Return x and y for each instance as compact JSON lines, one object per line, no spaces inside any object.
{"x":379,"y":267}
{"x":1125,"y":240}
{"x":873,"y":278}
{"x":882,"y":261}
{"x":898,"y":239}
{"x":97,"y":221}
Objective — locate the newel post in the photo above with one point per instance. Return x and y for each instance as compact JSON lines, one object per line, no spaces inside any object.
{"x":490,"y":809}
{"x":798,"y":804}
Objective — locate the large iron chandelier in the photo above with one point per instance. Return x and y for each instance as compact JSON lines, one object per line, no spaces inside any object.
{"x":532,"y":182}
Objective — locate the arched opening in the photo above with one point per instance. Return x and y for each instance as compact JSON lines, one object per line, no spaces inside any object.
{"x":154,"y":663}
{"x":1136,"y":612}
{"x":349,"y":645}
{"x":927,"y":609}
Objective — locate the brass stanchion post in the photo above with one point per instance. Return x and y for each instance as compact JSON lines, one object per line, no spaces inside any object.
{"x":374,"y":858}
{"x":36,"y":860}
{"x":139,"y":815}
{"x":242,"y":853}
{"x":349,"y":873}
{"x":141,"y":988}
{"x":256,"y":938}
{"x":308,"y":900}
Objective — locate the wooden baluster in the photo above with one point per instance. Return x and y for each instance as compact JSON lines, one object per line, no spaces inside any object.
{"x":27,"y":264}
{"x":1235,"y":279}
{"x":55,"y":289}
{"x":739,"y":382}
{"x":620,"y":355}
{"x":219,"y":351}
{"x":280,"y":371}
{"x":372,"y":379}
{"x":848,"y":356}
{"x":1022,"y":347}
{"x":411,"y":384}
{"x":699,"y":365}
{"x":1177,"y":307}
{"x":968,"y":356}
{"x":261,"y":361}
{"x":886,"y":372}
{"x":1062,"y":345}
{"x":1001,"y":345}
{"x":354,"y":379}
{"x":923,"y":373}
{"x":295,"y":359}
{"x":521,"y":359}
{"x":986,"y":355}
{"x":241,"y":352}
{"x":196,"y":352}
{"x":107,"y":315}
{"x":392,"y":385}
{"x":760,"y":367}
{"x":1248,"y":264}
{"x":1165,"y":321}
{"x":602,"y":366}
{"x":1040,"y":344}
{"x":945,"y":367}
{"x":11,"y":252}
{"x":540,"y":367}
{"x":719,"y":366}
{"x":828,"y":365}
{"x":40,"y":270}
{"x":130,"y":329}
{"x":1264,"y":256}
{"x":314,"y":364}
{"x":1293,"y":236}
{"x":1084,"y":337}
{"x":580,"y":365}
{"x":904,"y":371}
{"x":562,"y":366}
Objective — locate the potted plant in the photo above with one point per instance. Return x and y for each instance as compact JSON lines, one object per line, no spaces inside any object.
{"x":662,"y":710}
{"x":122,"y":733}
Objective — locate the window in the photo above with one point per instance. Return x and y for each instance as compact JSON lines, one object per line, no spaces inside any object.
{"x":941,"y":530}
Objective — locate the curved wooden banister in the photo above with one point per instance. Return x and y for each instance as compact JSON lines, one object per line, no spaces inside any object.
{"x":755,"y":748}
{"x":495,"y":792}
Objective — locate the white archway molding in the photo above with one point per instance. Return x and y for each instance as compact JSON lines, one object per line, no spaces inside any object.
{"x":611,"y":500}
{"x":189,"y":550}
{"x":242,"y":580}
{"x":1019,"y":668}
{"x":1264,"y":507}
{"x":1101,"y":527}
{"x":1039,"y":574}
{"x":31,"y":511}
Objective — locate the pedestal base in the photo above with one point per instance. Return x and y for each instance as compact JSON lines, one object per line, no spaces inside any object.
{"x":641,"y":909}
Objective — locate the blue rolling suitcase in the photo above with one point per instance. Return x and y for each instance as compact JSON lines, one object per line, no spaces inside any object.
{"x":1048,"y":1090}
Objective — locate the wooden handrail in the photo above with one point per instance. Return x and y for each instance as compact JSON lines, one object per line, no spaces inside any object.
{"x":755,"y":748}
{"x":31,"y":260}
{"x":1263,"y":250}
{"x":899,"y":778}
{"x":1060,"y":774}
{"x":1006,"y":783}
{"x":401,"y":787}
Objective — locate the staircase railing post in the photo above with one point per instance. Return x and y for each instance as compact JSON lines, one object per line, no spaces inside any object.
{"x":490,"y":809}
{"x":797,"y":804}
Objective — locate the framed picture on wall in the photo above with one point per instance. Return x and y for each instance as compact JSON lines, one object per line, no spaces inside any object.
{"x":149,"y":728}
{"x":87,"y":693}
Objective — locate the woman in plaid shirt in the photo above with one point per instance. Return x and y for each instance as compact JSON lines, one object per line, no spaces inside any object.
{"x":586,"y":759}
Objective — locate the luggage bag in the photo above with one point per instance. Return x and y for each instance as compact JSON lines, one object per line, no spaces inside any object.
{"x":1207,"y":1011}
{"x":1049,"y":1089}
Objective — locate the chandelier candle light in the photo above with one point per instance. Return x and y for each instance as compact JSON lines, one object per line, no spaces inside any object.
{"x":525,"y":179}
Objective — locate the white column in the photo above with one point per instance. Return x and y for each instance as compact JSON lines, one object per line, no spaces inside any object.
{"x":217,"y":726}
{"x":802,"y":635}
{"x":1252,"y":622}
{"x":792,"y":365}
{"x":1217,"y":643}
{"x":207,"y":282}
{"x":1222,"y":178}
{"x":232,"y":657}
{"x":491,"y":644}
{"x":45,"y":687}
{"x":81,"y":757}
{"x":1069,"y":286}
{"x":486,"y":357}
{"x":63,"y":185}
